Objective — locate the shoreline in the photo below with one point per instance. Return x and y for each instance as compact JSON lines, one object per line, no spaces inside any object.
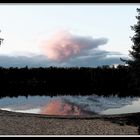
{"x":15,"y":123}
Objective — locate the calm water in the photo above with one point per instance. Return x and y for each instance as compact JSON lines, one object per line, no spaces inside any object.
{"x":71,"y":105}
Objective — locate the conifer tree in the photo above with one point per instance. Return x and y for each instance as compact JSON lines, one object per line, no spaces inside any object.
{"x":134,"y":63}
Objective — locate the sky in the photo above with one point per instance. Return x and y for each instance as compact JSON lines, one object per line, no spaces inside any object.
{"x":65,"y":34}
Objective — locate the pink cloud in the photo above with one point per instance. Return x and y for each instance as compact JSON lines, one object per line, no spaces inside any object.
{"x":63,"y":46}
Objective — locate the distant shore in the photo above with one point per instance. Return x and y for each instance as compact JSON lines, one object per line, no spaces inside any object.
{"x":12,"y":123}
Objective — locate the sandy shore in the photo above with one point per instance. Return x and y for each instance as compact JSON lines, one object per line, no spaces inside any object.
{"x":32,"y":124}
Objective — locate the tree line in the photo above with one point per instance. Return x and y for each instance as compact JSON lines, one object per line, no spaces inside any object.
{"x":53,"y":81}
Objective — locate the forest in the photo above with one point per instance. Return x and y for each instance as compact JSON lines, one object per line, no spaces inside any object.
{"x":54,"y":81}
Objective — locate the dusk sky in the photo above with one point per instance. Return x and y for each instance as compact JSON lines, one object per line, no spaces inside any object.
{"x":65,"y":35}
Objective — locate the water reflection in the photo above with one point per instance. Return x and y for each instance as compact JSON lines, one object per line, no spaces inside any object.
{"x":131,"y":108}
{"x":71,"y":105}
{"x":59,"y":107}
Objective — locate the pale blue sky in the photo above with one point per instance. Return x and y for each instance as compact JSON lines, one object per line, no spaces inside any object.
{"x":24,"y":27}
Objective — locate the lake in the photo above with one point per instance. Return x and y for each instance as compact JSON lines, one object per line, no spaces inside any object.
{"x":71,"y":105}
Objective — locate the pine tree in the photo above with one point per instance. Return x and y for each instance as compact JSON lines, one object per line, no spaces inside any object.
{"x":135,"y":53}
{"x":1,"y":39}
{"x":134,"y":63}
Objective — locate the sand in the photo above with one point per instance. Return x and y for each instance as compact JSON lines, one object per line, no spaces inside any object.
{"x":32,"y":124}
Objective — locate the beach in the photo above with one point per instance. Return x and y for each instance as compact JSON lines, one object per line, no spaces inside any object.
{"x":12,"y":123}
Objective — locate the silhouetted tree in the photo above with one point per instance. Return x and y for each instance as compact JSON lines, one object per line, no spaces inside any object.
{"x":1,"y":40}
{"x":134,"y":63}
